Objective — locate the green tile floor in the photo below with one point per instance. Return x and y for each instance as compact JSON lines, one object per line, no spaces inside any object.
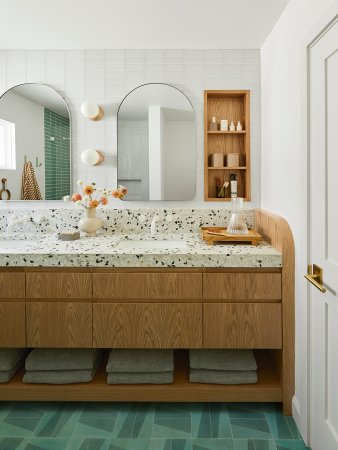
{"x":146,"y":426}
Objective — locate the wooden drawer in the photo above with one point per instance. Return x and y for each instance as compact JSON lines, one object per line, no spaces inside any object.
{"x":59,"y":324}
{"x":58,"y":285}
{"x":242,"y":286}
{"x":12,"y":285}
{"x":147,"y":325}
{"x":242,"y":325}
{"x":147,"y":286}
{"x":12,"y":324}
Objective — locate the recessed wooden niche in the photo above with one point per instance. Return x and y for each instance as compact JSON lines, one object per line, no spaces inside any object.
{"x":233,"y":106}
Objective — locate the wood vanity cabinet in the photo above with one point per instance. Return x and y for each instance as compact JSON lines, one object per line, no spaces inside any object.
{"x":178,"y":308}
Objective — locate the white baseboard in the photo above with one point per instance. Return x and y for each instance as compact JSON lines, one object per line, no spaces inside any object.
{"x":300,"y":424}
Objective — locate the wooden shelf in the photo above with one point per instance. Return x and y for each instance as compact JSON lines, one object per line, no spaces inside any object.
{"x":267,"y":389}
{"x":227,"y":168}
{"x":226,"y":132}
{"x":233,"y":106}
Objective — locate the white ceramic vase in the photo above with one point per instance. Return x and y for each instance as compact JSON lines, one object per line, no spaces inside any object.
{"x":89,"y":222}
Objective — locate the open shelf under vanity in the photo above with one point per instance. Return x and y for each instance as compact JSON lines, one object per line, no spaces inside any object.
{"x":267,"y":389}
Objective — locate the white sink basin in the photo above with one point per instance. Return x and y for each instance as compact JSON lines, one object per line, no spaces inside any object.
{"x":151,"y":245}
{"x":13,"y":244}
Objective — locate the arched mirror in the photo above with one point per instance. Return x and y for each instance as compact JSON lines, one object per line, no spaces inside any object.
{"x":35,"y":144}
{"x":156,"y":156}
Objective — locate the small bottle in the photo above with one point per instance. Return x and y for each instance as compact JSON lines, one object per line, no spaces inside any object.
{"x":232,"y":126}
{"x":233,"y":185}
{"x":239,"y":126}
{"x":224,"y":125}
{"x":213,"y":124}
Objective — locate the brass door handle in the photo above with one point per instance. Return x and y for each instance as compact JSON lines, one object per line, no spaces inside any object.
{"x":315,"y":276}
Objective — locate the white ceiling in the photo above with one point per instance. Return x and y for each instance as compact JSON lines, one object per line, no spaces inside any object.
{"x":99,"y":24}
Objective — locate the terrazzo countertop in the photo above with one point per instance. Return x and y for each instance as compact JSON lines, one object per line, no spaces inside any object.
{"x":101,"y":251}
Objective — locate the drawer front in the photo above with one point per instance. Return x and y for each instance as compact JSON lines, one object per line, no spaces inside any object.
{"x":58,"y":285}
{"x":12,"y":324}
{"x":12,"y":285}
{"x":147,"y":286}
{"x":242,"y":286}
{"x":59,"y":324}
{"x":242,"y":325}
{"x":147,"y":325}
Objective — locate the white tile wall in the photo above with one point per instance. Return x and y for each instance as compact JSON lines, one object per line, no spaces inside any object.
{"x":106,"y":76}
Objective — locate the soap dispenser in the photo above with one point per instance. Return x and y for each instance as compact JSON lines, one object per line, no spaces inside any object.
{"x":213,"y":124}
{"x":233,"y":185}
{"x":232,"y":126}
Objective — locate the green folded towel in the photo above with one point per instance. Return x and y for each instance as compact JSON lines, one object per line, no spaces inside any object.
{"x":140,"y":360}
{"x":6,"y":376}
{"x":140,"y":378}
{"x":223,"y":376}
{"x":10,"y":358}
{"x":63,"y":376}
{"x":52,"y":359}
{"x":219,"y":359}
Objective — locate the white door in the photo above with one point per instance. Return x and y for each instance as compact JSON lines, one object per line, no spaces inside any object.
{"x":323,"y":236}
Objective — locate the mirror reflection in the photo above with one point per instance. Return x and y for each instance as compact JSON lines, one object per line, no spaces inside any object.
{"x":35,"y":147}
{"x":156,"y":144}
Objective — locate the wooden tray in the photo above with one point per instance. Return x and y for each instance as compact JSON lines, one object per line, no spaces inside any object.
{"x":219,"y":234}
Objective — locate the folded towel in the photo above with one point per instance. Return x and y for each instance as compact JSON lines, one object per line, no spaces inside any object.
{"x":63,"y":376}
{"x":218,"y":359}
{"x":140,"y":378}
{"x":6,"y":376}
{"x":140,"y":360}
{"x":11,"y":358}
{"x":223,"y":376}
{"x":52,"y":359}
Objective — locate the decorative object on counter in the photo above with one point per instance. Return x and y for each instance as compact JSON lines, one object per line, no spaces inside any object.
{"x":239,"y":126}
{"x":224,"y":125}
{"x":232,"y":126}
{"x":4,"y":190}
{"x":217,"y":160}
{"x":90,"y":199}
{"x":120,"y":192}
{"x":92,"y":111}
{"x":212,"y":235}
{"x":140,"y":366}
{"x":233,"y":185}
{"x":222,"y":191}
{"x":237,"y":224}
{"x":232,"y":159}
{"x":91,"y":157}
{"x":11,"y":359}
{"x":62,"y":366}
{"x":69,"y":236}
{"x":213,"y":124}
{"x":29,"y":188}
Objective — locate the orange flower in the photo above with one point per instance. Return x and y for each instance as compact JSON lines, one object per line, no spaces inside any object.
{"x":76,"y":197}
{"x":103,"y":200}
{"x":88,"y":190}
{"x":115,"y":194}
{"x":93,"y":204}
{"x":124,"y":191}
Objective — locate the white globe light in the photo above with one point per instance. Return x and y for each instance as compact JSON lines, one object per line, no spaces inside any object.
{"x":91,"y":157}
{"x":90,"y":110}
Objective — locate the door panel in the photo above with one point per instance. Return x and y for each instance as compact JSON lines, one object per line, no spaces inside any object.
{"x":242,"y":325}
{"x":58,"y":285}
{"x":12,"y":324}
{"x":12,"y":285}
{"x":148,"y":286}
{"x":147,"y":325}
{"x":324,"y":239}
{"x":66,"y":325}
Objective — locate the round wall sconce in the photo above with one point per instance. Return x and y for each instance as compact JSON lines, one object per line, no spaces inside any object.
{"x":92,"y":111}
{"x":92,"y":157}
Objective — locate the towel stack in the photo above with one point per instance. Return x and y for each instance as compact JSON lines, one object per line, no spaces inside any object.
{"x":223,"y":366}
{"x":62,"y":366}
{"x":11,"y":359}
{"x":140,"y":366}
